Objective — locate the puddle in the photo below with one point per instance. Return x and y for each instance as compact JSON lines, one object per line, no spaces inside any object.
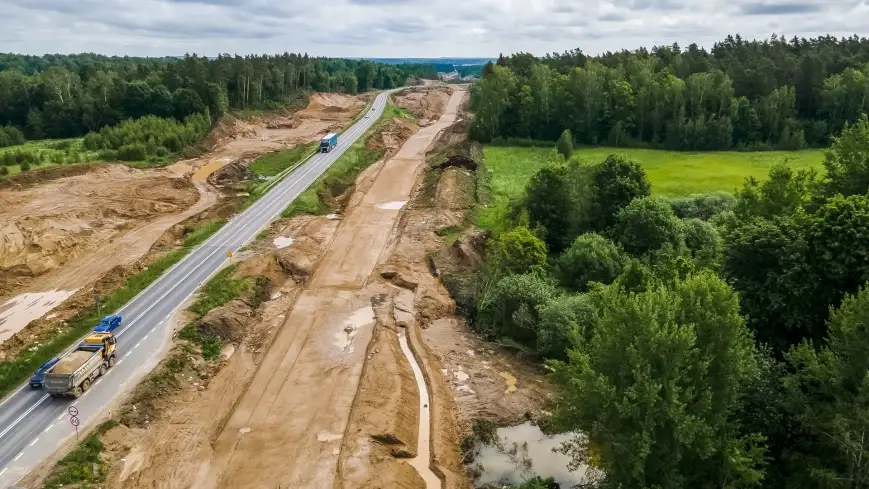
{"x":349,"y":328}
{"x":204,"y":171}
{"x":282,"y":242}
{"x":325,"y":436}
{"x":333,"y":216}
{"x":244,"y":430}
{"x":423,"y":449}
{"x":392,"y":206}
{"x":511,"y":382}
{"x":17,"y":312}
{"x":227,"y":351}
{"x":522,"y":452}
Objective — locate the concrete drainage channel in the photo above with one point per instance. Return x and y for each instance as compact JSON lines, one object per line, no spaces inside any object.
{"x":423,"y":454}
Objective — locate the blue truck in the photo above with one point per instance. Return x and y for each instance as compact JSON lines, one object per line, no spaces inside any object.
{"x":328,"y":142}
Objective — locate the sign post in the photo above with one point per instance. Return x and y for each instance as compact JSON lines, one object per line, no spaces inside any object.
{"x":97,"y":302}
{"x":229,"y":255}
{"x":73,"y":420}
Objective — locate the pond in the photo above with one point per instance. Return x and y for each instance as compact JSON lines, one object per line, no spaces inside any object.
{"x":520,"y":453}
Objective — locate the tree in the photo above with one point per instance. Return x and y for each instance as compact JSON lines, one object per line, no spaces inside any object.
{"x":566,"y":321}
{"x":646,"y":225}
{"x":839,"y":240}
{"x":591,"y":258}
{"x":703,"y":242}
{"x":654,"y":389}
{"x":617,"y":182}
{"x":831,"y":397}
{"x":565,"y":144}
{"x":517,"y":251}
{"x":510,"y":307}
{"x":548,"y":202}
{"x":769,"y":264}
{"x":847,"y":160}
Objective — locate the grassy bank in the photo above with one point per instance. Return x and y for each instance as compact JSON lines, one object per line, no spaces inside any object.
{"x":344,"y":171}
{"x":83,"y":466}
{"x":15,"y":371}
{"x":671,"y":173}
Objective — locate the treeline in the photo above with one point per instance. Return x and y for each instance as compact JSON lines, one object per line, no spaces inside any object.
{"x":148,"y":137}
{"x":58,"y":96}
{"x":742,"y":94}
{"x":699,"y":342}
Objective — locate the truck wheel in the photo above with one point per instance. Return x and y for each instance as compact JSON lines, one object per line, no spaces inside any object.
{"x":76,"y":393}
{"x":103,"y":369}
{"x":86,"y":385}
{"x":111,"y":361}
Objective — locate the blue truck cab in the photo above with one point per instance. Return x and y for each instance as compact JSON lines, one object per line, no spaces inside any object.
{"x":328,"y":142}
{"x":108,"y":324}
{"x":39,"y":376}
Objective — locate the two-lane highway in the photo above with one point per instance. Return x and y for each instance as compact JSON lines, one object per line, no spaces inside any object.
{"x":33,"y":425}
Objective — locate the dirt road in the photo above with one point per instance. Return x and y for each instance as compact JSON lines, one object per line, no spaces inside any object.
{"x":286,"y":431}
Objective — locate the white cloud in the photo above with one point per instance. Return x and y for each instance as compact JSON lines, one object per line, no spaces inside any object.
{"x":384,"y":28}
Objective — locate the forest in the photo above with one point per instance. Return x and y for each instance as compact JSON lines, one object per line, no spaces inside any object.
{"x":65,"y":96}
{"x":741,"y":94}
{"x":707,"y":341}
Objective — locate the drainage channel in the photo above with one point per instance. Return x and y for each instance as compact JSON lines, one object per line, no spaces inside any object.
{"x":423,"y":449}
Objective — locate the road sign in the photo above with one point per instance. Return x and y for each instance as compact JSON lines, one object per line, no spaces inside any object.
{"x":73,"y":411}
{"x":74,"y":421}
{"x":229,"y":254}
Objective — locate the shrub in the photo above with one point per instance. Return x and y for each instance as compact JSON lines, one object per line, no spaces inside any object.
{"x":591,"y":258}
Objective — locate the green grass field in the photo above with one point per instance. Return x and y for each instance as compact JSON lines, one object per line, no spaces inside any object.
{"x":671,"y":173}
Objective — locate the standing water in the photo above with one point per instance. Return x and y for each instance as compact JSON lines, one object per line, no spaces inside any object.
{"x":520,"y":453}
{"x":423,"y":449}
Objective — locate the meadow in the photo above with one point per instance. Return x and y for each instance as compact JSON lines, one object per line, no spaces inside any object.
{"x":672,"y":173}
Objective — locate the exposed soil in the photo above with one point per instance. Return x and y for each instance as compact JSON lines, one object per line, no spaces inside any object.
{"x":425,"y":103}
{"x":87,"y":221}
{"x":313,"y":390}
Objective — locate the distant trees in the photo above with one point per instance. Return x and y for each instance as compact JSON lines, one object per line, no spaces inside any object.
{"x":775,"y":93}
{"x":56,"y":96}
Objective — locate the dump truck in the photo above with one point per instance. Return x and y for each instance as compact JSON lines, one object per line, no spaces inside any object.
{"x":328,"y":142}
{"x":79,"y":368}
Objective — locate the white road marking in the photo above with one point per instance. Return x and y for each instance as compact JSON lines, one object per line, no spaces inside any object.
{"x":23,"y":415}
{"x":119,"y":362}
{"x":3,"y":471}
{"x":137,"y":345}
{"x":146,"y":337}
{"x":17,"y":456}
{"x":49,"y":427}
{"x":33,"y":442}
{"x":62,"y":415}
{"x":154,"y":329}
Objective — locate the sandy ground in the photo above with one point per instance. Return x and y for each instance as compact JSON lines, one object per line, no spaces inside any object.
{"x":287,"y":429}
{"x":245,"y":139}
{"x":60,"y":236}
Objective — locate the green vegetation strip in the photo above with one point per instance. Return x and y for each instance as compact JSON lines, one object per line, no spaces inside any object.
{"x":83,"y":466}
{"x":671,"y":173}
{"x":15,"y":371}
{"x":344,"y":171}
{"x":218,"y":291}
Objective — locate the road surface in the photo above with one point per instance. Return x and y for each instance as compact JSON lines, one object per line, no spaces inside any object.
{"x":33,"y":425}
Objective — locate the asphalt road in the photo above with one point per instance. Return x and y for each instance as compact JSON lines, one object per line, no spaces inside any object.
{"x":33,"y":425}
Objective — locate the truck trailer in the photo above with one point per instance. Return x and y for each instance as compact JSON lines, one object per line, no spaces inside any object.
{"x":328,"y":142}
{"x":74,"y":373}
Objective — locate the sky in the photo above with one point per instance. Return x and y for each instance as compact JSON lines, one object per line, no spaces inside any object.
{"x":405,"y":28}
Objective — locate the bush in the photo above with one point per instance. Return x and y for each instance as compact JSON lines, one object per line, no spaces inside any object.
{"x":565,"y":144}
{"x":591,"y":258}
{"x":4,"y":170}
{"x":510,"y":307}
{"x":10,"y":136}
{"x":565,"y":322}
{"x":148,"y":137}
{"x":646,"y":225}
{"x":516,"y":252}
{"x":132,"y":152}
{"x":24,"y":166}
{"x":702,"y":206}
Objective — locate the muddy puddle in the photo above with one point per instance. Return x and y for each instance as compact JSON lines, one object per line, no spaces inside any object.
{"x":422,"y":460}
{"x":520,"y":453}
{"x":392,"y":206}
{"x":16,"y":313}
{"x":282,"y":242}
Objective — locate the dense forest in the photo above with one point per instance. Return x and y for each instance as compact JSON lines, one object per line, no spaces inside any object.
{"x":61,"y":96}
{"x":709,"y":341}
{"x":776,"y":93}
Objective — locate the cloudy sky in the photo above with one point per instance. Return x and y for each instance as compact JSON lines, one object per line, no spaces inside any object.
{"x":405,"y":28}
